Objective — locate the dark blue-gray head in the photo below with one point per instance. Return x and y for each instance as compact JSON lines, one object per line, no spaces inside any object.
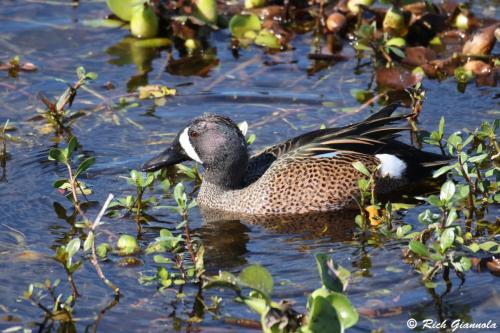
{"x":214,"y":141}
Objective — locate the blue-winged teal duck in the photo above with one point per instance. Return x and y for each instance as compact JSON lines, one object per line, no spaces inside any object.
{"x":310,"y":173}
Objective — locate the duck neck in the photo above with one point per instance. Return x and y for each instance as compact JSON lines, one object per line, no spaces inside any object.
{"x":227,"y":174}
{"x":227,"y":170}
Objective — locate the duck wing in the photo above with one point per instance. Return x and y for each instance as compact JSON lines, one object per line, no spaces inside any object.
{"x":367,"y":136}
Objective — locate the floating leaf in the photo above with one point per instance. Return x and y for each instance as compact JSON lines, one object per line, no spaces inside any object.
{"x":155,"y":91}
{"x":267,"y":39}
{"x":103,"y":23}
{"x":206,"y":10}
{"x":144,"y":23}
{"x":323,"y":317}
{"x":256,"y":277}
{"x":127,"y":245}
{"x":124,"y":9}
{"x":239,"y":25}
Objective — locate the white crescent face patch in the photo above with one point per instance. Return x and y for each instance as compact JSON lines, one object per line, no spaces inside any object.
{"x":188,"y":147}
{"x":391,"y":166}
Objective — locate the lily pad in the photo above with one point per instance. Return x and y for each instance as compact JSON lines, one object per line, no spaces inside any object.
{"x":240,"y":25}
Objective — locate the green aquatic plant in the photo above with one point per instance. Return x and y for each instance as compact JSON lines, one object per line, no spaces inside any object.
{"x":136,"y":205}
{"x":14,"y":66}
{"x":328,"y":308}
{"x":72,"y":186}
{"x":447,"y":242}
{"x":58,"y":114}
{"x":144,"y":23}
{"x":46,"y":297}
{"x":179,"y":246}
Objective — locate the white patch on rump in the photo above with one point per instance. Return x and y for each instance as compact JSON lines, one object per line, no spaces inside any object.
{"x":188,"y":147}
{"x":391,"y":166}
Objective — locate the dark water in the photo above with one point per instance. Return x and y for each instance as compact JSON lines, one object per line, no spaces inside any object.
{"x":278,"y":99}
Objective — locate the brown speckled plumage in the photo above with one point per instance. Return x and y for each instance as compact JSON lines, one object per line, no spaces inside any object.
{"x":313,"y":172}
{"x":294,"y":186}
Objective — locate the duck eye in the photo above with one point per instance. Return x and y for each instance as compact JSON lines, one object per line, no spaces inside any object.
{"x":194,"y":134}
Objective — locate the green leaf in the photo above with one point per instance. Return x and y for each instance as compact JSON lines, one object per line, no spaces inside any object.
{"x":102,"y":249}
{"x":239,"y":25}
{"x":434,"y":200}
{"x":466,"y":263}
{"x":447,"y":239}
{"x":180,"y":195}
{"x":455,"y":139}
{"x":72,"y":144}
{"x":159,"y":259}
{"x":396,"y":41}
{"x":257,"y":278}
{"x":361,"y":168}
{"x":323,"y":317}
{"x":89,"y":241}
{"x":418,"y":248}
{"x":462,"y":75}
{"x":490,"y":246}
{"x":345,"y":310}
{"x":84,"y":166}
{"x":267,"y":38}
{"x":333,"y":276}
{"x":59,"y":183}
{"x":403,"y":230}
{"x":224,"y":279}
{"x":441,"y":127}
{"x":397,"y":51}
{"x":206,"y":10}
{"x":149,"y":179}
{"x":80,"y":72}
{"x":259,"y":305}
{"x":56,"y":154}
{"x":73,"y":246}
{"x":442,"y":170}
{"x":474,"y":247}
{"x":124,"y":9}
{"x":478,"y":158}
{"x":452,"y":216}
{"x":447,"y":191}
{"x":91,"y":76}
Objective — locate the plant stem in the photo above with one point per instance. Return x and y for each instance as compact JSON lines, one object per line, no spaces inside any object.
{"x":72,"y":284}
{"x":73,"y":184}
{"x":470,"y":200}
{"x":93,"y":259}
{"x":189,"y":243}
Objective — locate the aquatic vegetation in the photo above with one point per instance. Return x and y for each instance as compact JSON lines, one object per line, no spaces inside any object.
{"x":328,"y":309}
{"x":14,"y":66}
{"x":71,"y":185}
{"x":58,"y":114}
{"x":391,"y":48}
{"x":446,"y":242}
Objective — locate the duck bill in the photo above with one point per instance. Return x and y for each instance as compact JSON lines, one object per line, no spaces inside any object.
{"x":171,"y":156}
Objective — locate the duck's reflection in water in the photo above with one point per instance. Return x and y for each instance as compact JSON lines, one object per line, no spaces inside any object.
{"x":225,"y":236}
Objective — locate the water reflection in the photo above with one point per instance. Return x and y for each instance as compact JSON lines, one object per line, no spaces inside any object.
{"x":338,"y":226}
{"x":130,"y":51}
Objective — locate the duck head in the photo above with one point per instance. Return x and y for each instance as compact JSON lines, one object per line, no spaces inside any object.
{"x":214,"y":141}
